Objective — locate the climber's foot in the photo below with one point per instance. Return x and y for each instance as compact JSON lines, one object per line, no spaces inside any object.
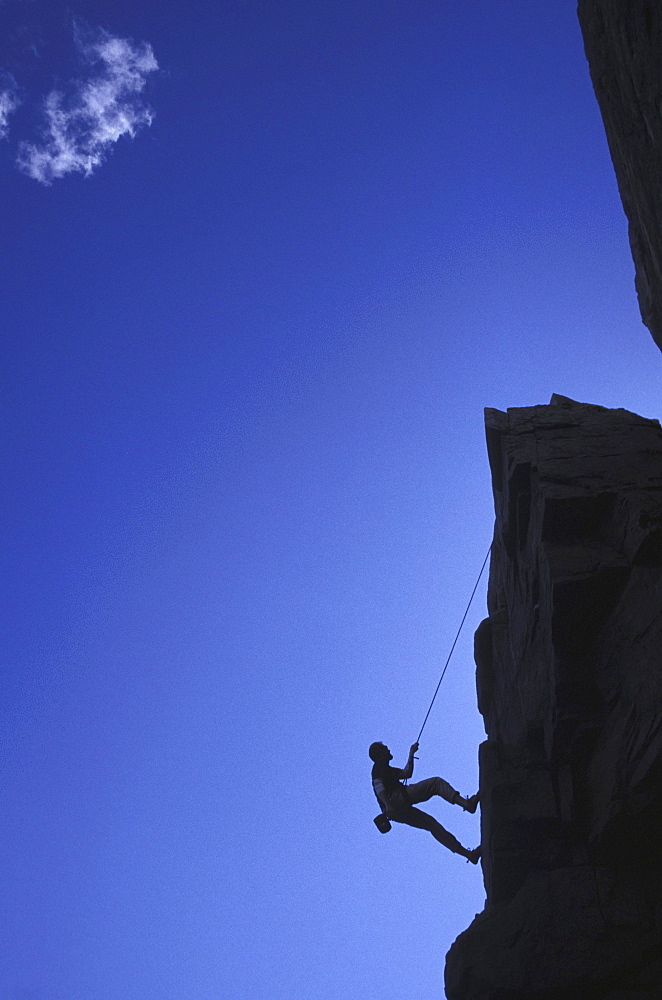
{"x":474,"y":856}
{"x":470,"y":804}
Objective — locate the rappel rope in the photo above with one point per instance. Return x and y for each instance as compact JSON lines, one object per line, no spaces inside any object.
{"x":473,"y":592}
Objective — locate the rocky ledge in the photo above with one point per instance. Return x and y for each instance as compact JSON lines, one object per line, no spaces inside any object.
{"x":569,"y":677}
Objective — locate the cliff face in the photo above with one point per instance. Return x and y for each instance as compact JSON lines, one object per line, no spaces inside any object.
{"x":569,"y":676}
{"x":623,"y":42}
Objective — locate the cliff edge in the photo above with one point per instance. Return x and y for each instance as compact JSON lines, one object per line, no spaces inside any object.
{"x":569,"y":678}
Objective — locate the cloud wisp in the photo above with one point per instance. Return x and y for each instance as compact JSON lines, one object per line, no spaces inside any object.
{"x":83,"y":123}
{"x":8,"y":103}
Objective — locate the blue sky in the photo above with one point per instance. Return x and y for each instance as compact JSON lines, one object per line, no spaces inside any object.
{"x":245,"y":355}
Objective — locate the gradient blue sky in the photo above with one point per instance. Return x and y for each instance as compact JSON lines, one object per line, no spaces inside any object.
{"x":244,"y":365}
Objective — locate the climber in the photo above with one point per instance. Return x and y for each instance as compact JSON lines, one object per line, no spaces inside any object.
{"x":397,"y":801}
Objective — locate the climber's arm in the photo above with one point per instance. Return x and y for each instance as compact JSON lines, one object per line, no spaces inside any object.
{"x":406,"y":772}
{"x":380,"y":791}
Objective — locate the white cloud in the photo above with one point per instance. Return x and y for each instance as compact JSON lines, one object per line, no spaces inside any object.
{"x":8,"y":103}
{"x":83,"y":123}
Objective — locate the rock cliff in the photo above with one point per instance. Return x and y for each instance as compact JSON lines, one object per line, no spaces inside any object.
{"x":569,"y":677}
{"x":623,"y":42}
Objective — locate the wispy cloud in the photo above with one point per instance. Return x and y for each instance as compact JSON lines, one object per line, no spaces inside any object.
{"x":8,"y":103}
{"x":84,"y":121}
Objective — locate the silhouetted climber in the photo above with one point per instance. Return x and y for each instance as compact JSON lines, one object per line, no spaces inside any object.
{"x":397,"y":801}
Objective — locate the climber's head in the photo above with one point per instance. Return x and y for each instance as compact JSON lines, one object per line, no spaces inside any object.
{"x":379,"y":751}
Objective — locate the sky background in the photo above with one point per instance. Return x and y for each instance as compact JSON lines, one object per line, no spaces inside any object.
{"x":244,"y":365}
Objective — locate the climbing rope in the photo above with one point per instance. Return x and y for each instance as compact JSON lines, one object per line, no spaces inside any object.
{"x":418,"y":738}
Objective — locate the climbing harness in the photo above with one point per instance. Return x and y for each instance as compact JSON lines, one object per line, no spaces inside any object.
{"x":473,"y":592}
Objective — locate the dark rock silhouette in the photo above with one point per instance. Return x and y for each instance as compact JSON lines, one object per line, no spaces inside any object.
{"x":623,"y":42}
{"x":569,"y":677}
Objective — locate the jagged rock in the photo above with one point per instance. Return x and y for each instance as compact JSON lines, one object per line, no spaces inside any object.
{"x":623,"y":43}
{"x":569,"y":678}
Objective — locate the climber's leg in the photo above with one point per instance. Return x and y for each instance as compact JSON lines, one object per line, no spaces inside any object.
{"x":421,"y":791}
{"x":422,"y":821}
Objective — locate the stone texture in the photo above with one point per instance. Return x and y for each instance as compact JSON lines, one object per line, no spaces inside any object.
{"x":623,"y":43}
{"x":569,"y":678}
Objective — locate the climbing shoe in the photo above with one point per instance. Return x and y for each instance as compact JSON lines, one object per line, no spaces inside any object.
{"x":474,"y":856}
{"x":472,"y":803}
